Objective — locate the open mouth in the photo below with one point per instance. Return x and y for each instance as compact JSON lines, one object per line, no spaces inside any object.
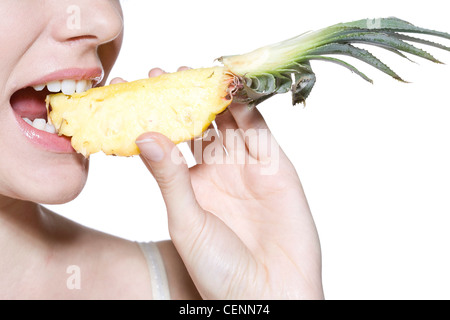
{"x":30,"y":110}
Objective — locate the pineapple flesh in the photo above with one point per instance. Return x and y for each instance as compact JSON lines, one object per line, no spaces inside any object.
{"x":109,"y":119}
{"x":182,"y":105}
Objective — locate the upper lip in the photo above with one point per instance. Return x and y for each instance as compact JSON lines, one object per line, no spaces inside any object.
{"x":94,"y":74}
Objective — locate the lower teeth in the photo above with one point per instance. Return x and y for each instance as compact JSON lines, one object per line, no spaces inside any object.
{"x":41,"y":124}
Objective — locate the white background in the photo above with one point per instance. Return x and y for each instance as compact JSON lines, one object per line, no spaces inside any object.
{"x":374,"y":159}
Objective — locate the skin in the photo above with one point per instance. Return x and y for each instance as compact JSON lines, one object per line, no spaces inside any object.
{"x":235,"y":233}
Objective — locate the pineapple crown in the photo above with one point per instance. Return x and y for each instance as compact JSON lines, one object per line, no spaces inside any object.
{"x":285,"y":66}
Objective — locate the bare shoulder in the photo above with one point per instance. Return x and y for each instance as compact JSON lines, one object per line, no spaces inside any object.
{"x":96,"y":265}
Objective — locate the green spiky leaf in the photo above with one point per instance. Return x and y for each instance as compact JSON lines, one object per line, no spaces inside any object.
{"x":285,"y":66}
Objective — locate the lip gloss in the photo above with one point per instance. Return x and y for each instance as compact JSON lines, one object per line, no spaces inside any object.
{"x":47,"y":141}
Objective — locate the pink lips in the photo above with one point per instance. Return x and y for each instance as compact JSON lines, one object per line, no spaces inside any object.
{"x":47,"y":141}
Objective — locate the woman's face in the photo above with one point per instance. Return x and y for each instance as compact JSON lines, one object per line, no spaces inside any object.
{"x":64,"y":45}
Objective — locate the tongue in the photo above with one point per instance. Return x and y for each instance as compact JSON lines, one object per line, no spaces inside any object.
{"x":29,"y":103}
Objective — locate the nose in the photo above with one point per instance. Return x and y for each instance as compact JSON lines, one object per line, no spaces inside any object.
{"x":92,"y":22}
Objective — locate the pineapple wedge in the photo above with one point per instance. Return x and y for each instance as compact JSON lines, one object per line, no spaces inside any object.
{"x":109,"y":119}
{"x":182,"y":105}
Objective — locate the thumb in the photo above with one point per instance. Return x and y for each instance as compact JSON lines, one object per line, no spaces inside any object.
{"x":169,"y":168}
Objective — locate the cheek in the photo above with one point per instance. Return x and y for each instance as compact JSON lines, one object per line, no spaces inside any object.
{"x":55,"y":181}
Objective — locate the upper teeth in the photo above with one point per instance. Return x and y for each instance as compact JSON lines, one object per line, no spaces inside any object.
{"x":66,"y":86}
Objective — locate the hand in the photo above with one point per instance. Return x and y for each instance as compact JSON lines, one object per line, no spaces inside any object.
{"x":239,"y":220}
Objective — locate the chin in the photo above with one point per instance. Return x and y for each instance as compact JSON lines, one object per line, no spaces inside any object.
{"x":65,"y":182}
{"x":54,"y":182}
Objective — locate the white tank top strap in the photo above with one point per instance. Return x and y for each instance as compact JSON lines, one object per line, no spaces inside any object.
{"x":158,"y":276}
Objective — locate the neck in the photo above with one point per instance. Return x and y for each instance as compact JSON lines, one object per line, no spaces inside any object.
{"x":24,"y":242}
{"x":19,"y":221}
{"x":33,"y":242}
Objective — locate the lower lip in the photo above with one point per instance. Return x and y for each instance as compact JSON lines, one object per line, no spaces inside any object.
{"x":44,"y":140}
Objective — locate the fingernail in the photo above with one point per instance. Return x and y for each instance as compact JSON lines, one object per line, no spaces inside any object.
{"x":151,"y":149}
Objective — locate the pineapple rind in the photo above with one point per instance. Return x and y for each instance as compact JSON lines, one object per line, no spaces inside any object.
{"x":109,"y":119}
